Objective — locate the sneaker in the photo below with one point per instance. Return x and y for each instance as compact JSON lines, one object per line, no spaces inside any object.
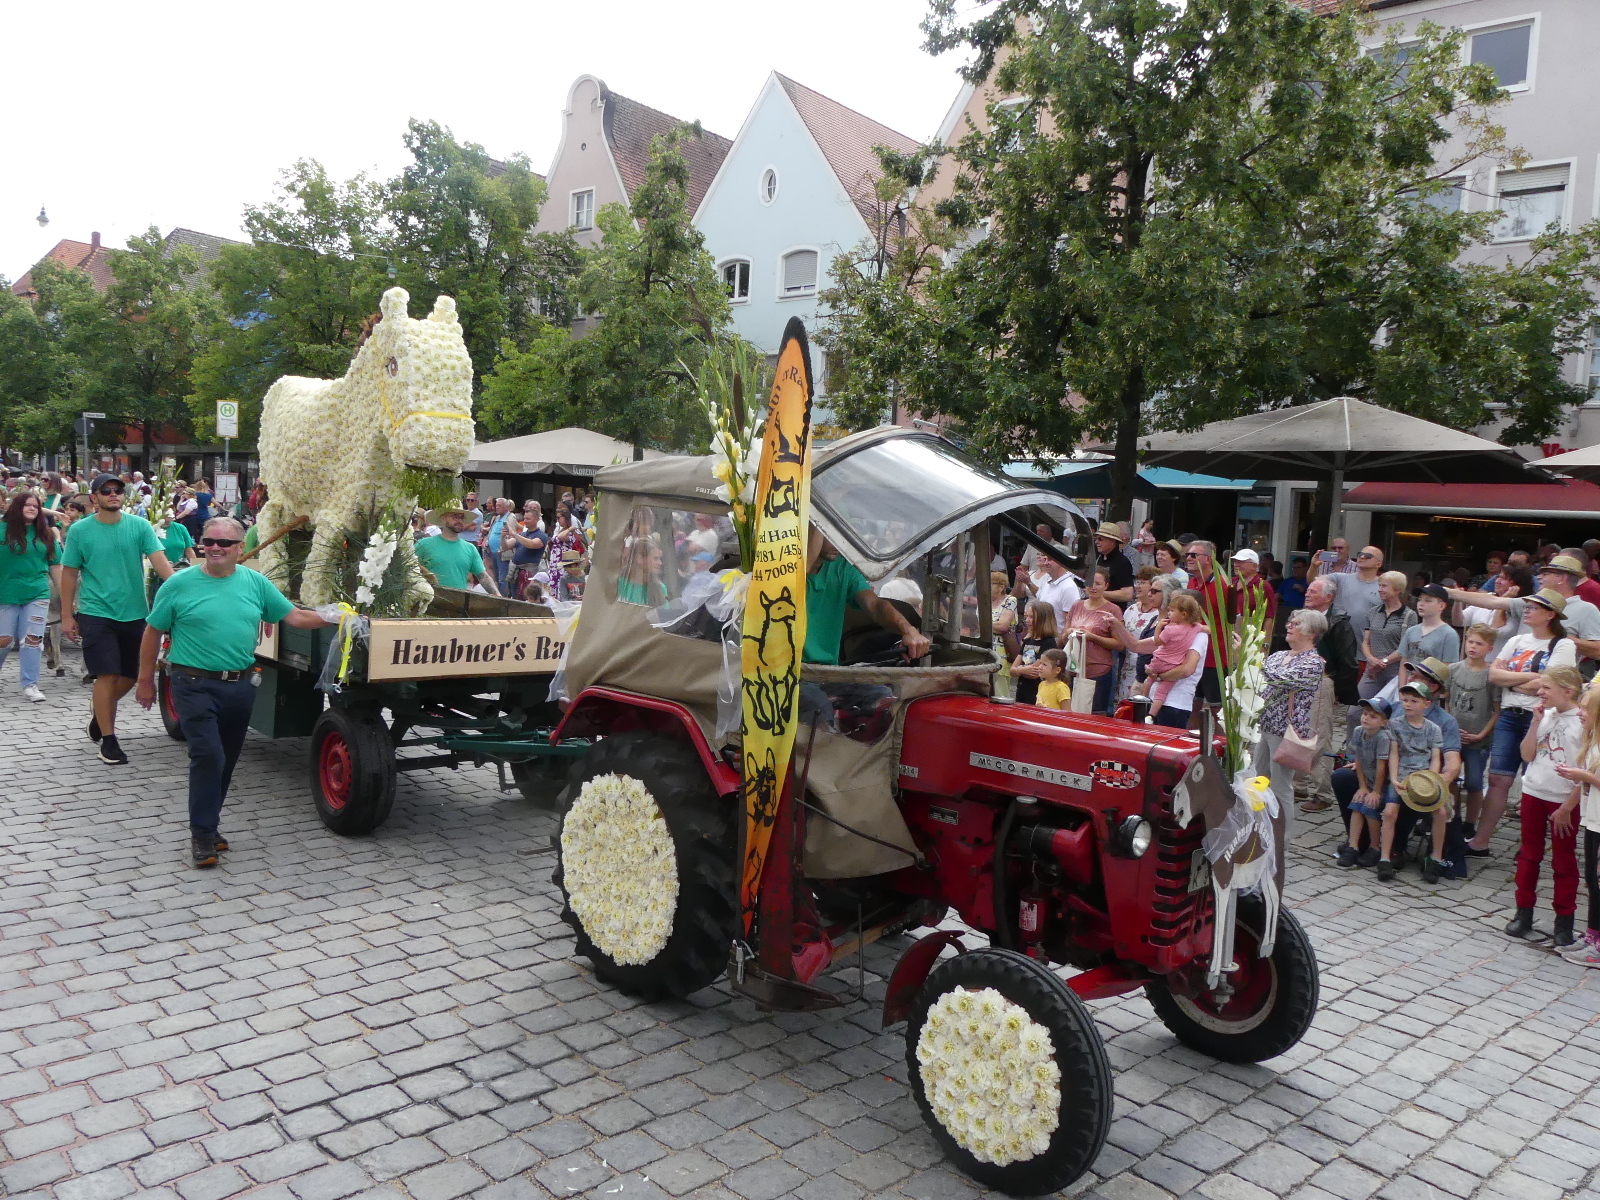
{"x":203,"y":849}
{"x":112,"y":753}
{"x":1385,"y":870}
{"x":1347,"y":855}
{"x":94,"y":728}
{"x":1368,"y":857}
{"x":1473,"y":852}
{"x":32,"y":692}
{"x":1432,"y":870}
{"x":220,"y":842}
{"x":1587,"y":952}
{"x":1313,"y":806}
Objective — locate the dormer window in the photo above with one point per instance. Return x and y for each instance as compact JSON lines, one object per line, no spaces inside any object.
{"x":583,"y":209}
{"x":769,"y":185}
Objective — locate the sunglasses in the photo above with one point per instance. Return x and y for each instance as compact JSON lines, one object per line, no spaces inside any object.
{"x":111,"y":491}
{"x":222,"y":542}
{"x":1366,"y":554}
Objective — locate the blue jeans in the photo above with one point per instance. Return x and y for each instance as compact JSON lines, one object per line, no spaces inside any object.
{"x":22,"y":626}
{"x":1506,"y":757}
{"x":1474,"y":760}
{"x":215,"y":716}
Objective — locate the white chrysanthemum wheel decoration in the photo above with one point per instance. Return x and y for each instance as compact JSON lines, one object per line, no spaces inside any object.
{"x":620,"y":869}
{"x":990,"y":1075}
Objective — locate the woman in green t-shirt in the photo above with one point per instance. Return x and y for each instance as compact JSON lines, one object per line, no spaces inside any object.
{"x":28,"y":560}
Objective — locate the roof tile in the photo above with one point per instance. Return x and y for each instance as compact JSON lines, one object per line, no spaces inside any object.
{"x":630,"y":128}
{"x":846,"y":139}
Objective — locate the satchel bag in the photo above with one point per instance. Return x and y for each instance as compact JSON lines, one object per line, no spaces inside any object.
{"x":1295,"y":752}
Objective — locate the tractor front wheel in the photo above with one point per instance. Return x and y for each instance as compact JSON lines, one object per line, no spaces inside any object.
{"x":1009,"y":1071}
{"x":352,"y":769}
{"x":1272,"y":1002}
{"x":645,"y":866}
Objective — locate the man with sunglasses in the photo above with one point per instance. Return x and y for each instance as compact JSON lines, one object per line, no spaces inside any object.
{"x":214,"y":615}
{"x":1356,"y":593}
{"x":103,"y":595}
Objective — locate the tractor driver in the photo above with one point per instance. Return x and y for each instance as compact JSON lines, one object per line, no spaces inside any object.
{"x":832,"y":585}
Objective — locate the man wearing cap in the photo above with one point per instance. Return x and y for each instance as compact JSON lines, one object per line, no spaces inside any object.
{"x":1249,"y":582}
{"x":214,"y":614}
{"x":450,"y":558}
{"x":1579,"y":618}
{"x":1586,"y":587}
{"x":1108,"y":540}
{"x":103,"y":594}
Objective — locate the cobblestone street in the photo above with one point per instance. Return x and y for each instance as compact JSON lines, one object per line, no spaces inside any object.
{"x":399,"y":1016}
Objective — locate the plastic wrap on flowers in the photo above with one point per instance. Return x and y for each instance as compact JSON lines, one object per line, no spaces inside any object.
{"x":990,"y":1075}
{"x":1252,"y":812}
{"x":353,"y":629}
{"x":711,"y":608}
{"x":565,"y":613}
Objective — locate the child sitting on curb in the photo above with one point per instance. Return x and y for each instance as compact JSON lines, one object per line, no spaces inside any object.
{"x":1415,"y":745}
{"x":1552,"y":741}
{"x":1368,"y":749}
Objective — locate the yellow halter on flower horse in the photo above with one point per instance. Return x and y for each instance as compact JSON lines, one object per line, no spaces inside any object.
{"x":344,"y":452}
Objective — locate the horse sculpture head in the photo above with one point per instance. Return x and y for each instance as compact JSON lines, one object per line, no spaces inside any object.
{"x":424,"y":382}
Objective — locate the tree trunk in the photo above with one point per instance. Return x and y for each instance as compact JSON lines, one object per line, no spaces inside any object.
{"x":1125,"y":467}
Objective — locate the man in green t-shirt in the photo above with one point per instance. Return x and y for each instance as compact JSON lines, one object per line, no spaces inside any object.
{"x":102,"y":593}
{"x":452,"y":560}
{"x":178,"y":544}
{"x":832,"y":586}
{"x":214,"y":615}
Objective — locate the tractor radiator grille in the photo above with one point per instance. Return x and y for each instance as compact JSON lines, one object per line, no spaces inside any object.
{"x":1177,"y":910}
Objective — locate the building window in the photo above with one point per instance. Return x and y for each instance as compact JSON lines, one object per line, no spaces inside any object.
{"x":583,"y":209}
{"x":1530,"y":201}
{"x":799,"y":273}
{"x":1449,"y":198}
{"x":769,"y":186}
{"x":1505,"y":52}
{"x":1594,"y":364}
{"x":1397,"y":58}
{"x":736,"y":278}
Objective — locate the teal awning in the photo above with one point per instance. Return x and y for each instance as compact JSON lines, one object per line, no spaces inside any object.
{"x":1167,"y":477}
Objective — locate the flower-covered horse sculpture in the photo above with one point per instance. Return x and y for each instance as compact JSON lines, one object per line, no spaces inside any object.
{"x":336,"y":450}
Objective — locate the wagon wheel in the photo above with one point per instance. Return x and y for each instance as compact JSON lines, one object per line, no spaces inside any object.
{"x":655,"y":915}
{"x":169,"y":709}
{"x":993,"y":1032}
{"x":352,"y":769}
{"x":1273,"y":998}
{"x":542,"y":782}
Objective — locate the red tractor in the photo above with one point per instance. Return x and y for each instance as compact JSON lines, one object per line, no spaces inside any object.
{"x":919,"y":794}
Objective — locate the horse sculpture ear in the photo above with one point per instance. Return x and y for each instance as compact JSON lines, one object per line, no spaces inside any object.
{"x":444,"y":311}
{"x":394,"y":303}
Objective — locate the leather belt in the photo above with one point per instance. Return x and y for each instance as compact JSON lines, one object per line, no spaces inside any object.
{"x":222,"y":676}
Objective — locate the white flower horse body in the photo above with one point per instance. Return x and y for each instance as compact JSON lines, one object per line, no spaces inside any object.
{"x":332,"y":449}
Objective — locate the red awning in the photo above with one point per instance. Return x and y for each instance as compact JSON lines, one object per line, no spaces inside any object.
{"x":1569,"y":500}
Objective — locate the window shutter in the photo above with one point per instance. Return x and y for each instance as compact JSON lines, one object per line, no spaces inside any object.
{"x":1538,"y":179}
{"x":800,"y":271}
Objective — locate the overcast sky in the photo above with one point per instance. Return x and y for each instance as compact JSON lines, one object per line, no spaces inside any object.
{"x":179,"y":114}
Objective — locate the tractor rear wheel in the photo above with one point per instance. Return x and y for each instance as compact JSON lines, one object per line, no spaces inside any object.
{"x":1016,"y":1088}
{"x":169,"y":710}
{"x":352,"y":769}
{"x":1273,"y":998}
{"x":653,"y":909}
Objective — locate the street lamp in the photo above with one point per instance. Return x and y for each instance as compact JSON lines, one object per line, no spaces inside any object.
{"x":42,"y":218}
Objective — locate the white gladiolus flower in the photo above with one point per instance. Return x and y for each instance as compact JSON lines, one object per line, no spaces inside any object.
{"x":620,"y":869}
{"x":990,"y":1075}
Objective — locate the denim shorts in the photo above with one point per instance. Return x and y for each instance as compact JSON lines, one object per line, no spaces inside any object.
{"x":1474,"y":761}
{"x":1375,"y":810}
{"x":1506,"y":757}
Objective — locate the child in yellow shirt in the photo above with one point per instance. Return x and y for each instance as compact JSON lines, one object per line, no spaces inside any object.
{"x":1054,"y":691}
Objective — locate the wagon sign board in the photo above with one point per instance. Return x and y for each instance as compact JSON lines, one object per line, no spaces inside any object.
{"x":408,"y":649}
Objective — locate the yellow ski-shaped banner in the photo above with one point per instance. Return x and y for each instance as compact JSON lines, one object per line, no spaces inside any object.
{"x":775,"y":608}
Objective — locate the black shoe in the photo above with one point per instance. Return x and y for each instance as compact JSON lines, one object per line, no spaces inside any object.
{"x":112,"y":753}
{"x":1432,"y":870}
{"x":1385,"y":870}
{"x":1469,"y":830}
{"x":94,"y":728}
{"x":1562,"y":936}
{"x":1521,"y":925}
{"x":1472,"y":851}
{"x":203,"y":849}
{"x":1368,"y":857}
{"x":1347,"y":855}
{"x":220,"y":842}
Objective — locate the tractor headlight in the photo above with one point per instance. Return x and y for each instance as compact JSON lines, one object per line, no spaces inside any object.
{"x":1132,"y":837}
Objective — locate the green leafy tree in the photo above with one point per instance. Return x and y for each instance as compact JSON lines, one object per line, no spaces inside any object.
{"x":294,"y":299}
{"x":658,"y":303}
{"x":1203,"y":209}
{"x":463,"y":227}
{"x":36,"y":395}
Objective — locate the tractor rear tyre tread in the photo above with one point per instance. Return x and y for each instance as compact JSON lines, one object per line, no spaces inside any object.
{"x":169,"y":712}
{"x":701,"y":822}
{"x":352,"y":770}
{"x":1087,"y":1100}
{"x":1294,"y":1000}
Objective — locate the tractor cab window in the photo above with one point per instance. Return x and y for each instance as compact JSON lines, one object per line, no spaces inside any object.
{"x":672,"y":561}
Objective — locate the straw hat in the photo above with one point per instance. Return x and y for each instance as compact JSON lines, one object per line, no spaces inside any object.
{"x":1423,"y":791}
{"x":1110,"y":529}
{"x":436,"y":516}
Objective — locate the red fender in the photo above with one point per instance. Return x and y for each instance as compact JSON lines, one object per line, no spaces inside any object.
{"x":599,"y":711}
{"x":912,"y":970}
{"x":1113,"y":979}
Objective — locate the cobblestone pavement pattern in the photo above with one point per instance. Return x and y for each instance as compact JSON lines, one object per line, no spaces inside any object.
{"x":398,"y":1015}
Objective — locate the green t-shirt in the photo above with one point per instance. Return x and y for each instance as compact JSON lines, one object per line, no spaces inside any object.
{"x":830,"y":590}
{"x":175,"y":540}
{"x":25,"y":574}
{"x":111,"y":559}
{"x":215,"y":623}
{"x":452,"y":562}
